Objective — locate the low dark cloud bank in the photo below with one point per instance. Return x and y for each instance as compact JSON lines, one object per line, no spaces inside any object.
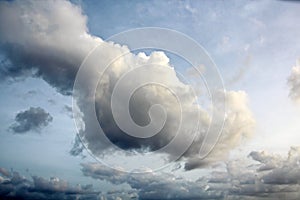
{"x":17,"y":187}
{"x":33,"y":119}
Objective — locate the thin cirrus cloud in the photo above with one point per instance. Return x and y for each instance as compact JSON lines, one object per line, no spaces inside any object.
{"x":51,"y":42}
{"x":32,"y":119}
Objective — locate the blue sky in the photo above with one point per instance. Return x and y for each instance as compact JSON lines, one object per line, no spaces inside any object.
{"x":255,"y":45}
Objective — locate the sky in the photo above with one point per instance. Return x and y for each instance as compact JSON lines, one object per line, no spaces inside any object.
{"x":149,"y":99}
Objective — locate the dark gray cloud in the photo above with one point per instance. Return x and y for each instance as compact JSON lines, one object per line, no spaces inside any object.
{"x":77,"y":148}
{"x":19,"y":187}
{"x":16,"y":186}
{"x":32,"y":119}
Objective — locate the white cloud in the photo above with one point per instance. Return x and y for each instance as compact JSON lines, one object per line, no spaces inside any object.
{"x":294,"y":83}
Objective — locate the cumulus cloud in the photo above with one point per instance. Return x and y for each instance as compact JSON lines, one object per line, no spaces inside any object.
{"x":239,"y":125}
{"x":50,"y":40}
{"x":32,"y":119}
{"x":152,"y":185}
{"x":241,"y":179}
{"x":44,"y":39}
{"x":294,"y":83}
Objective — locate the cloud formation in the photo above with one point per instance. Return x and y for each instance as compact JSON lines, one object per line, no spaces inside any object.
{"x":239,"y":126}
{"x":238,"y":179}
{"x":44,"y":39}
{"x":294,"y":83}
{"x":15,"y":186}
{"x":32,"y":119}
{"x":151,"y":185}
{"x":241,"y":179}
{"x":50,"y":40}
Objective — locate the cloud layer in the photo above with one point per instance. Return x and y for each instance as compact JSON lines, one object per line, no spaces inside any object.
{"x":15,"y":186}
{"x":262,"y":176}
{"x":32,"y":119}
{"x":267,"y":176}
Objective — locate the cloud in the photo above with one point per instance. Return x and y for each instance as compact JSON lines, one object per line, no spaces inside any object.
{"x":275,"y":177}
{"x":77,"y":148}
{"x":47,"y":40}
{"x":239,"y":126}
{"x":4,"y":172}
{"x":240,"y":179}
{"x":294,"y":83}
{"x":151,"y":185}
{"x":68,"y":110}
{"x":16,"y":186}
{"x":268,"y":161}
{"x":50,"y":40}
{"x":32,"y":119}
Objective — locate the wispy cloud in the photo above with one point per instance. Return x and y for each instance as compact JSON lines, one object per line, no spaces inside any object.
{"x":294,"y":83}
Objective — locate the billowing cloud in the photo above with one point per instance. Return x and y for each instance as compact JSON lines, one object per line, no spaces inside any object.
{"x":239,"y":125}
{"x":294,"y":83}
{"x":44,"y":39}
{"x":50,"y":40}
{"x":32,"y":119}
{"x":275,"y":177}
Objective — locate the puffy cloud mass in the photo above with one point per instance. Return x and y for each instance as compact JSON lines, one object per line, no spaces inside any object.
{"x":50,"y":40}
{"x":44,"y":39}
{"x":294,"y":83}
{"x":34,"y":119}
